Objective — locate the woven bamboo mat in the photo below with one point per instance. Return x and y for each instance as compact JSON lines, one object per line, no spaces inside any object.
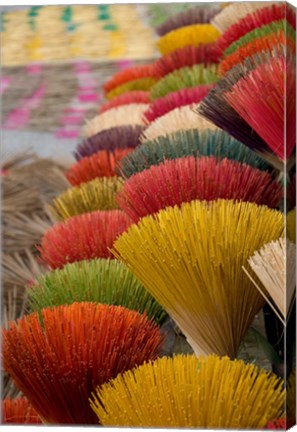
{"x":56,"y":98}
{"x":55,"y":59}
{"x":48,"y":34}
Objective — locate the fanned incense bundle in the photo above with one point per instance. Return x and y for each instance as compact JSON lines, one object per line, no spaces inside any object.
{"x":291,"y":225}
{"x":100,"y":280}
{"x":129,"y":74}
{"x":190,"y":142}
{"x":176,"y":181}
{"x":179,"y":119}
{"x":144,"y":84}
{"x":98,"y":194}
{"x":186,"y":96}
{"x":185,"y":57}
{"x":234,"y":12}
{"x":267,"y":30}
{"x":121,"y":116}
{"x":136,"y":96}
{"x":190,"y":35}
{"x":270,"y":42}
{"x":258,"y":18}
{"x":190,"y":392}
{"x":59,"y":361}
{"x":275,"y":266}
{"x":86,"y":236}
{"x":259,"y":99}
{"x":117,"y":137}
{"x":199,"y":249}
{"x":195,"y":15}
{"x":184,"y":78}
{"x":19,"y":411}
{"x":215,"y":108}
{"x":100,"y":164}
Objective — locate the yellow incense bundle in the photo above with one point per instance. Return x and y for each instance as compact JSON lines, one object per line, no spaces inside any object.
{"x":190,"y":392}
{"x":193,"y":35}
{"x":191,"y":259}
{"x":98,"y":194}
{"x":139,"y":84}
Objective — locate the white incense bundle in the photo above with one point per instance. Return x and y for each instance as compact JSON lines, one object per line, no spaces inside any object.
{"x":275,"y":266}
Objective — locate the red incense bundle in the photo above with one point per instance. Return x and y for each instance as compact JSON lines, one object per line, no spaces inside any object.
{"x":182,"y":180}
{"x":259,"y":99}
{"x":259,"y":18}
{"x":183,"y":97}
{"x":86,"y":236}
{"x":137,"y":96}
{"x":129,"y":74}
{"x":100,"y":164}
{"x":273,"y":42}
{"x":185,"y":57}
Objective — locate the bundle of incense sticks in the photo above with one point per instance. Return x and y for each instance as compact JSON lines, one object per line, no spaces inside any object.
{"x":176,"y":194}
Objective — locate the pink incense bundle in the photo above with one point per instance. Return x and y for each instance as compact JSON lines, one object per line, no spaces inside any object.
{"x":250,"y":22}
{"x":259,"y":99}
{"x":180,"y":98}
{"x":129,"y":74}
{"x":100,"y":164}
{"x":86,"y":236}
{"x":182,"y":180}
{"x":137,"y":96}
{"x":185,"y":57}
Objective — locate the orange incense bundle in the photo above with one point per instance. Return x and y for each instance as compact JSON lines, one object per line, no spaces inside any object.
{"x":58,"y":361}
{"x":100,"y":164}
{"x":186,"y":96}
{"x":272,"y":42}
{"x":185,"y":57}
{"x":129,"y":74}
{"x":86,"y":236}
{"x":19,"y":411}
{"x":259,"y":18}
{"x":182,"y":180}
{"x":137,"y":96}
{"x":259,"y":99}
